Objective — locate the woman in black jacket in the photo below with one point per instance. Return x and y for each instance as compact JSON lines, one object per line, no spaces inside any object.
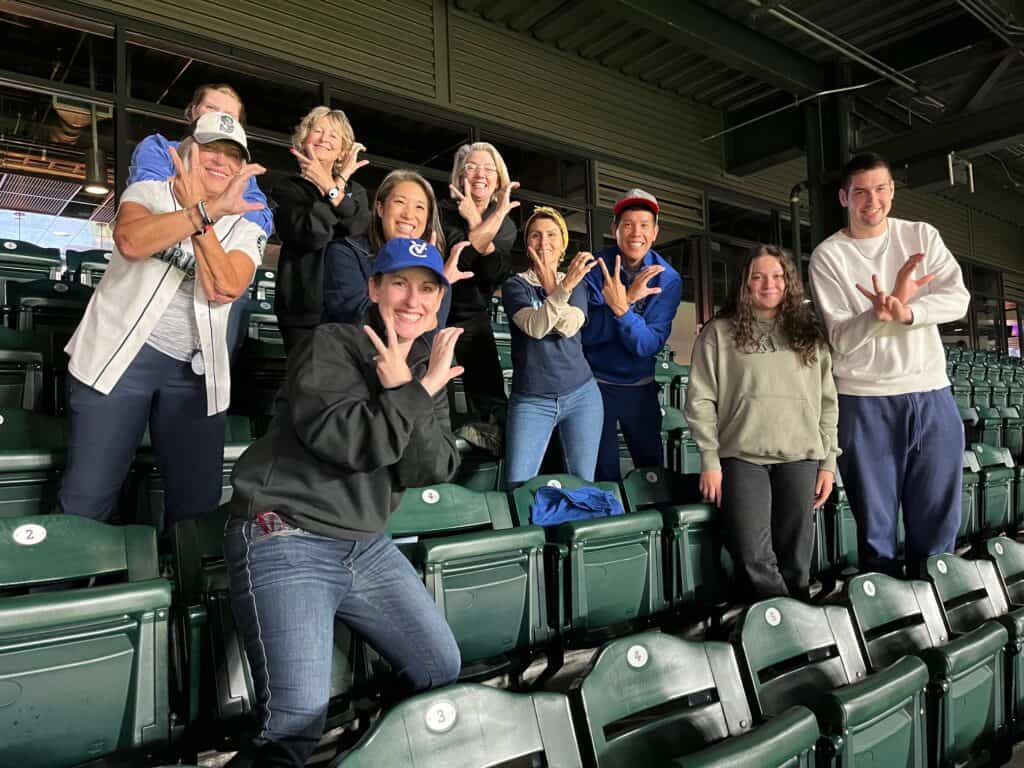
{"x":479,"y":212}
{"x":319,"y":204}
{"x":366,"y":417}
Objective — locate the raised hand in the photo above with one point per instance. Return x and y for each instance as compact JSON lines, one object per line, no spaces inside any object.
{"x":187,"y":183}
{"x":233,"y":201}
{"x":392,"y":368}
{"x":352,"y":163}
{"x":906,"y":285}
{"x":583,"y":262}
{"x":887,"y":307}
{"x":823,"y":487}
{"x":440,"y":370}
{"x":312,"y":171}
{"x":639,"y":288}
{"x":451,"y":265}
{"x":505,"y":202}
{"x":614,"y":292}
{"x":710,"y":485}
{"x":544,"y":271}
{"x":467,"y":208}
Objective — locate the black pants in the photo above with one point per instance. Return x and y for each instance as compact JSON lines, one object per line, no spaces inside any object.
{"x":478,"y":354}
{"x":768,"y":520}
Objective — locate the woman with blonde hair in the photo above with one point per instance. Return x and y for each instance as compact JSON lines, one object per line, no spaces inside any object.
{"x":319,"y":204}
{"x":479,"y":212}
{"x":552,"y":385}
{"x":762,"y":407}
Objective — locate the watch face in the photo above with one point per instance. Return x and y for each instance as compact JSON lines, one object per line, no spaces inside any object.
{"x":332,"y":193}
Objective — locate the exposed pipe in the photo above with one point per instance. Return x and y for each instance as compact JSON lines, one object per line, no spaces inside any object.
{"x":986,"y":13}
{"x":823,"y":36}
{"x":794,"y":218}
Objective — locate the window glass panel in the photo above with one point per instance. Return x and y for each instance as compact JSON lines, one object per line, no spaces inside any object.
{"x":545,"y":172}
{"x":987,"y":322}
{"x":957,"y":333}
{"x":407,"y":140}
{"x":57,"y":52}
{"x":43,"y":154}
{"x":1012,"y":328}
{"x":984,"y":281}
{"x":170,"y":80}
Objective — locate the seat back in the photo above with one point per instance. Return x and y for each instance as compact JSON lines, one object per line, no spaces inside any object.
{"x":795,"y":653}
{"x":995,"y":491}
{"x":83,"y":670}
{"x":21,"y":261}
{"x":1008,"y":556}
{"x":470,"y":726}
{"x":522,"y":497}
{"x":652,"y":697}
{"x":659,"y":488}
{"x":32,"y":453}
{"x":894,"y":618}
{"x":446,"y":509}
{"x":963,"y":591}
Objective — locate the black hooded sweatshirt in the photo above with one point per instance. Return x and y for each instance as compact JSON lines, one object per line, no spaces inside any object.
{"x":342,"y":449}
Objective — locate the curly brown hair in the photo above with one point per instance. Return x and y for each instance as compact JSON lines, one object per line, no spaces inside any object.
{"x":795,"y":316}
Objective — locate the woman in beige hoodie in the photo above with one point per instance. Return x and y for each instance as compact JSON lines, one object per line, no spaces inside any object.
{"x":762,"y":408}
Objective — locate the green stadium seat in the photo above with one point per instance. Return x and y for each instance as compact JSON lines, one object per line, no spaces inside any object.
{"x":52,"y":310}
{"x":1013,"y":431}
{"x":87,"y":267}
{"x":33,"y":449}
{"x":841,"y":528}
{"x":147,"y":485}
{"x":257,"y":376}
{"x":261,"y":321}
{"x":479,"y":470}
{"x":672,"y":379}
{"x":798,"y":654}
{"x":216,"y":683}
{"x":264,"y":282}
{"x":995,"y":489}
{"x":1000,"y":389}
{"x":470,"y":726}
{"x":681,"y":453}
{"x":969,"y":498}
{"x":21,"y":261}
{"x":603,"y":572}
{"x":485,"y":575}
{"x":990,"y":427}
{"x":971,"y":595}
{"x":967,"y":696}
{"x":651,"y":698}
{"x":694,"y":545}
{"x":21,"y":369}
{"x":83,"y":670}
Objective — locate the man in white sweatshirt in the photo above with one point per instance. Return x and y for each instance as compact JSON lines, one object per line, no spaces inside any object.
{"x":882,"y":287}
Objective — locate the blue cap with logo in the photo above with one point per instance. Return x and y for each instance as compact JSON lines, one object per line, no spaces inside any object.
{"x":404,"y":252}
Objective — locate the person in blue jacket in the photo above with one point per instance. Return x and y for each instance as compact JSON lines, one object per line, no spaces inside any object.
{"x":632,"y":300}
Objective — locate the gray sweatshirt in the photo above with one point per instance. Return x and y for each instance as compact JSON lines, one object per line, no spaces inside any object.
{"x":764,"y":407}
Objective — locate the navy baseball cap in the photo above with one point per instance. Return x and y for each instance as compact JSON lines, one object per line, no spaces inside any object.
{"x":404,"y":252}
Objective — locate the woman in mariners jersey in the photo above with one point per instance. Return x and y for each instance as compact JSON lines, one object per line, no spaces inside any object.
{"x":152,"y":347}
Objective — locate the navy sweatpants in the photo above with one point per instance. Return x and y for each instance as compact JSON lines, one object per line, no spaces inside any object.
{"x":902,"y":449}
{"x":636,"y":408}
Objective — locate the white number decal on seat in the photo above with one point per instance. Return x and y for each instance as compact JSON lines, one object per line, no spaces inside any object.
{"x":441,"y":717}
{"x":29,"y":534}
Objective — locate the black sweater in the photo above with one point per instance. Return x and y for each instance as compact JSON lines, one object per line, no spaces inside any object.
{"x":342,"y":449}
{"x":306,"y":222}
{"x":471,"y":297}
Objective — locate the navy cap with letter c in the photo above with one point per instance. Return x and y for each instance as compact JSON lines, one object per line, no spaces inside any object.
{"x":404,"y":252}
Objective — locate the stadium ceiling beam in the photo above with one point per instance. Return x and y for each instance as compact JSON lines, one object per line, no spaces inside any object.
{"x":967,"y":133}
{"x":720,"y":38}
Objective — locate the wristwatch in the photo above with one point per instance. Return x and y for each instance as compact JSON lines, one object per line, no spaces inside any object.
{"x":333,"y":193}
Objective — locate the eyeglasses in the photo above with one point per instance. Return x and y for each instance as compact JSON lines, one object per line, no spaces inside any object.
{"x":490,"y":170}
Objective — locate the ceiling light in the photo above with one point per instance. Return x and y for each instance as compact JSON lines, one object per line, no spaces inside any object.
{"x":95,"y":172}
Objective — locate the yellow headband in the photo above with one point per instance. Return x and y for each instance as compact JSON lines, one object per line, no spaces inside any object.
{"x":547,"y":212}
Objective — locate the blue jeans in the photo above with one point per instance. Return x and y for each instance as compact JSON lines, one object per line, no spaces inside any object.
{"x":531,"y":420}
{"x":287,"y":585}
{"x":165,"y":394}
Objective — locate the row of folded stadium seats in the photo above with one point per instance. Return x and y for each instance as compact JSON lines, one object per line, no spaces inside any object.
{"x":86,"y":670}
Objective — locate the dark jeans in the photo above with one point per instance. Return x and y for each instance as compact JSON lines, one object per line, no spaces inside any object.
{"x":637,"y":410}
{"x":106,"y":430}
{"x":768,"y":521}
{"x":287,"y":585}
{"x":902,"y":450}
{"x":483,"y":381}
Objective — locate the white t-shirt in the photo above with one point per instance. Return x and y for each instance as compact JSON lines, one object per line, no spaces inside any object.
{"x":133,"y":297}
{"x":875,"y":358}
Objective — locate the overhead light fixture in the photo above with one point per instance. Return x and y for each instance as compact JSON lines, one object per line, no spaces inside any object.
{"x":95,"y":170}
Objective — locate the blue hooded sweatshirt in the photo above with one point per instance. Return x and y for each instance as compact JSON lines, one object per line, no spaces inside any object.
{"x":621,"y":350}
